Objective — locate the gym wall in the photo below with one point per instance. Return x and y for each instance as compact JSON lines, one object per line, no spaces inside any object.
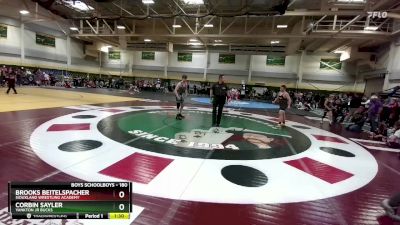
{"x":251,"y":69}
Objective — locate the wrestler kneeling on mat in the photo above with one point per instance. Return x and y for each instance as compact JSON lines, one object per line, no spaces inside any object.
{"x":284,"y":101}
{"x":181,"y":91}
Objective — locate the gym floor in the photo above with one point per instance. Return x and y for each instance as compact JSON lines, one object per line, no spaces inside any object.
{"x":250,"y":172}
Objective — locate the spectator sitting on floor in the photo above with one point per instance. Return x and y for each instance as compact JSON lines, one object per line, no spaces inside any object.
{"x":392,"y":207}
{"x":380,"y":133}
{"x":67,"y":84}
{"x":91,"y":84}
{"x":133,"y":89}
{"x":299,"y":105}
{"x":307,"y":106}
{"x":393,"y":140}
{"x":358,"y":120}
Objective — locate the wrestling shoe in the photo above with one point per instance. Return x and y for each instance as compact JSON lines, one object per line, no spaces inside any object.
{"x":178,"y":117}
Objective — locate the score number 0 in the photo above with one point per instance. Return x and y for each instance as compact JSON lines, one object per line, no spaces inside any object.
{"x":121,"y":206}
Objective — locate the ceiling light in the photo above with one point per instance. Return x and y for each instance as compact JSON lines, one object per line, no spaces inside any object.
{"x":74,"y":28}
{"x":373,"y":28}
{"x":105,"y":48}
{"x":209,"y":25}
{"x":77,"y":5}
{"x":193,"y":2}
{"x":274,"y":42}
{"x":193,"y":40}
{"x":345,"y":55}
{"x":218,"y":44}
{"x":195,"y":43}
{"x":120,"y":27}
{"x":218,"y":41}
{"x":24,"y":12}
{"x":281,"y":26}
{"x":147,"y":40}
{"x":147,"y":1}
{"x":176,"y":26}
{"x":350,"y":1}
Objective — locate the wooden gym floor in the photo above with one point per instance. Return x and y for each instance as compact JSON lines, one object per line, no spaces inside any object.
{"x":40,"y":98}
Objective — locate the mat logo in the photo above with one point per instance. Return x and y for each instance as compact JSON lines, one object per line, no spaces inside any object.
{"x":195,"y":132}
{"x":185,"y":140}
{"x":377,"y":14}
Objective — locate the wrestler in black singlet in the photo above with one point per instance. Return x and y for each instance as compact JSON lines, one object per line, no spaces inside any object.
{"x":282,"y":102}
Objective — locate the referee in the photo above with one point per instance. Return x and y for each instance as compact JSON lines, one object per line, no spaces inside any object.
{"x":218,"y":94}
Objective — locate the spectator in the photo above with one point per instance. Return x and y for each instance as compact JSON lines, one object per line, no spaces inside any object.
{"x":381,"y":133}
{"x":338,"y":110}
{"x":46,"y":79}
{"x":329,"y":107}
{"x":11,"y":82}
{"x":3,"y":71}
{"x":355,"y":103}
{"x":393,"y":140}
{"x":392,"y":205}
{"x":357,"y":120}
{"x":374,"y":110}
{"x":393,"y":111}
{"x":316,"y":100}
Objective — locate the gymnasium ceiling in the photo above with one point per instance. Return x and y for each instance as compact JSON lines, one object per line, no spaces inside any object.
{"x":242,"y":26}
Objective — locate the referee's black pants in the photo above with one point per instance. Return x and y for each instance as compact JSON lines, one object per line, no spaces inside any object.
{"x":218,"y":102}
{"x":11,"y":86}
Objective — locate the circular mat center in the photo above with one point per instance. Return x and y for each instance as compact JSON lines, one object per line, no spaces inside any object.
{"x":238,"y":138}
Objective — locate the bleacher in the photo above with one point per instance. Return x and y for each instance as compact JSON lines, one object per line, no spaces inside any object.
{"x":392,"y":92}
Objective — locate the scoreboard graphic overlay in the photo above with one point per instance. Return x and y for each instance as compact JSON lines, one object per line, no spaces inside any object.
{"x":78,"y":200}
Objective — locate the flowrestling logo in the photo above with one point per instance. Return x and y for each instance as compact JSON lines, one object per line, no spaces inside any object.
{"x":377,"y":14}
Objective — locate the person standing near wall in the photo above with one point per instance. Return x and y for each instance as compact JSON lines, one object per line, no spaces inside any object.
{"x":284,"y":101}
{"x":3,"y":71}
{"x":11,"y":81}
{"x":329,"y":106}
{"x":355,"y":103}
{"x":374,"y":111}
{"x":181,"y":91}
{"x":218,"y":95}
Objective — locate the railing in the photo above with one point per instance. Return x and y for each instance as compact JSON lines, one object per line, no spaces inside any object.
{"x":326,"y":25}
